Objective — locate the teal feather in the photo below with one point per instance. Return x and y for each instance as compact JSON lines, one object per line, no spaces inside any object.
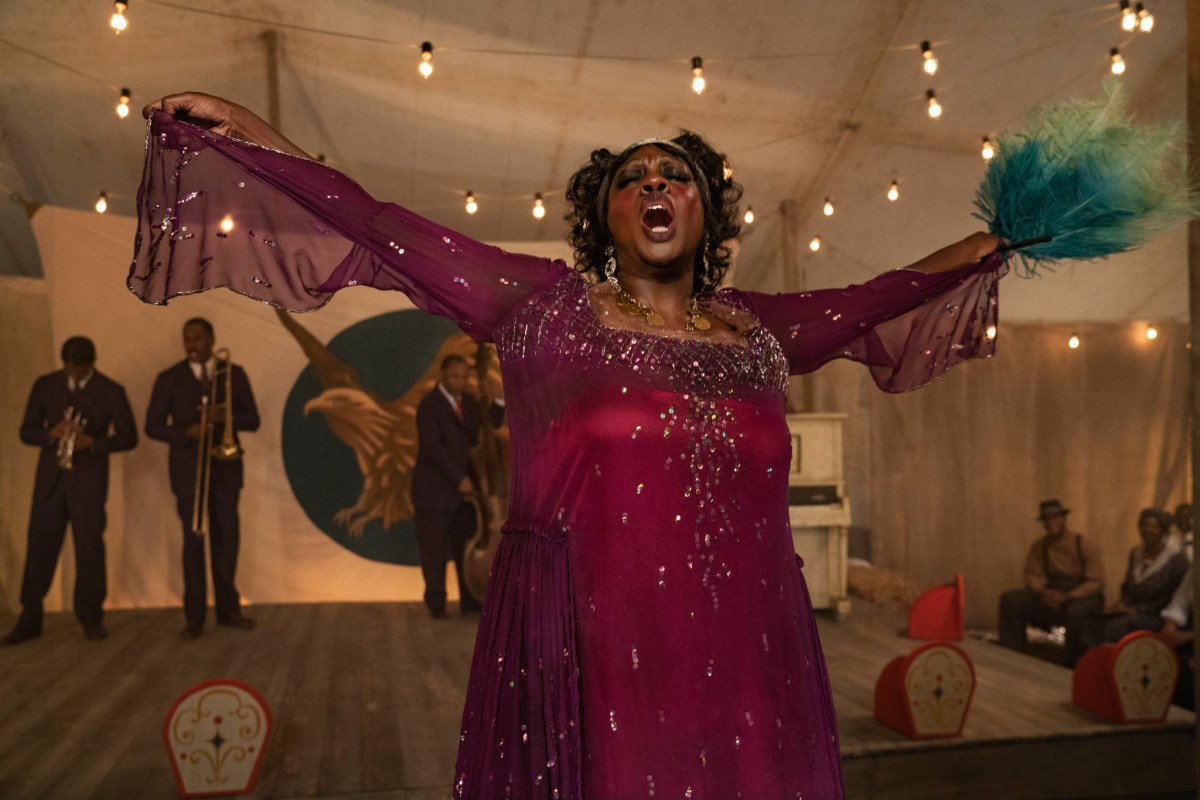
{"x":1087,"y":181}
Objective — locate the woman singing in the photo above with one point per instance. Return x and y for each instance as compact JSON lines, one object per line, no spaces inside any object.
{"x":647,"y":632}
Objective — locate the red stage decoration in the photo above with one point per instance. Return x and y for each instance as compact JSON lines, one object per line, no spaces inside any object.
{"x":926,"y":694}
{"x":938,"y":613}
{"x":216,"y":733}
{"x":1130,"y":681}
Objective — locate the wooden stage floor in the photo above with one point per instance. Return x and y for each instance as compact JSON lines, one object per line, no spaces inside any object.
{"x":366,"y":699}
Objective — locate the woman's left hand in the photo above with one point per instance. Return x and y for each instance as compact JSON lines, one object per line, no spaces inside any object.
{"x":970,"y":250}
{"x":978,"y":246}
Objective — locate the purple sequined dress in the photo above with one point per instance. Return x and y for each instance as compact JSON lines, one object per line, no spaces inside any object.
{"x":647,"y":631}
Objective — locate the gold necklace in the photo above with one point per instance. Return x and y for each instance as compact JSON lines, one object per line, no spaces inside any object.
{"x":636,"y":308}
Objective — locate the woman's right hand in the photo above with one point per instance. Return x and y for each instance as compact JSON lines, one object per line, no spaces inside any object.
{"x":214,"y":113}
{"x":221,"y":116}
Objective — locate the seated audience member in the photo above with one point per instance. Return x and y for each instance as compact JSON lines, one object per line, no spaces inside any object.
{"x":1178,"y":629}
{"x":1064,"y":585}
{"x":1153,"y":574}
{"x":1180,"y":538}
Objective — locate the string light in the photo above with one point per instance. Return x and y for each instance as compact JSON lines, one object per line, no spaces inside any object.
{"x":1118,"y":63}
{"x":931,"y":63}
{"x":698,"y":82}
{"x":426,"y":65}
{"x":1129,"y":19}
{"x":1151,"y":332}
{"x":726,"y":170}
{"x":1073,"y":342}
{"x":748,"y":217}
{"x":123,"y":104}
{"x":118,"y":21}
{"x":827,"y":209}
{"x":226,"y":225}
{"x":1145,"y":19}
{"x":1140,"y":18}
{"x":102,"y":203}
{"x":990,"y":333}
{"x":539,"y":208}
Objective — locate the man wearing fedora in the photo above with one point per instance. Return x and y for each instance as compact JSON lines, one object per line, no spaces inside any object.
{"x":1064,"y":585}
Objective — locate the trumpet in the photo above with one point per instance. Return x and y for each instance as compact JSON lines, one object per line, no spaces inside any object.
{"x":227,"y":449}
{"x":65,"y":450}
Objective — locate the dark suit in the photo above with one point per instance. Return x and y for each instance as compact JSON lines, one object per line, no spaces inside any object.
{"x":77,"y":495}
{"x":174,"y":406}
{"x":444,"y":519}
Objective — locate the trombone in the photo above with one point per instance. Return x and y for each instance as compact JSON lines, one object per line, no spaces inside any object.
{"x":227,"y":449}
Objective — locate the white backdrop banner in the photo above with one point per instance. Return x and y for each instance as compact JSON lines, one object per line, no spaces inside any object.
{"x":293,"y":550}
{"x":26,"y":351}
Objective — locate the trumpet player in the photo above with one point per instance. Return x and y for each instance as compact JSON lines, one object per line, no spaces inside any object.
{"x":77,"y":416}
{"x":198,"y":406}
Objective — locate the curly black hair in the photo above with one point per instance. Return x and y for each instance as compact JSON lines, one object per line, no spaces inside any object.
{"x":588,"y":189}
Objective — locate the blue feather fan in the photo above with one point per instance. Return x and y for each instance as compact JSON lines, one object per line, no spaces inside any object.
{"x":1083,"y":181}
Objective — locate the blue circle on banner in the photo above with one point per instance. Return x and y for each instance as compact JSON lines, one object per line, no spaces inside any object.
{"x":390,"y":353}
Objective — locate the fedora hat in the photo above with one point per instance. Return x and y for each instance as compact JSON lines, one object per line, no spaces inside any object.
{"x":1051,"y":508}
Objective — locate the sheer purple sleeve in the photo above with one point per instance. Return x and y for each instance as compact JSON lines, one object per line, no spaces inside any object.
{"x":217,"y":212}
{"x":908,"y":327}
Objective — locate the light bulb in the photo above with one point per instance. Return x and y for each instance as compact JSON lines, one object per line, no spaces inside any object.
{"x":1151,"y":332}
{"x":539,"y":208}
{"x":698,"y":75}
{"x":990,"y":333}
{"x":1118,"y":63}
{"x":471,"y":205}
{"x":726,"y":170}
{"x":894,"y":191}
{"x":827,"y":209}
{"x":226,"y":224}
{"x":123,"y":104}
{"x":426,"y":65}
{"x":1073,"y":342}
{"x":988,"y":151}
{"x":118,"y":21}
{"x":1129,"y":19}
{"x":1145,"y":19}
{"x":748,"y":217}
{"x":931,"y":63}
{"x":815,"y":244}
{"x":935,"y":109}
{"x":102,"y":203}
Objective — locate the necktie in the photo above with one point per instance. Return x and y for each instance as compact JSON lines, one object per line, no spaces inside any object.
{"x":458,"y":407}
{"x":205,"y":384}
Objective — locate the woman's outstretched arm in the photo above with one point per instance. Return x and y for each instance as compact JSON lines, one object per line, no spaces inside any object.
{"x":909,"y":325}
{"x":257,"y":216}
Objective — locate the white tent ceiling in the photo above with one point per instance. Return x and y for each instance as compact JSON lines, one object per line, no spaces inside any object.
{"x":808,"y":99}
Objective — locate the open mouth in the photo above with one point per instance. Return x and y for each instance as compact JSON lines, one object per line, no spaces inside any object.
{"x":658,"y":218}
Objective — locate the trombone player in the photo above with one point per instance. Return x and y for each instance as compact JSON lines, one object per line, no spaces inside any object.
{"x":77,"y":416}
{"x":198,"y":406}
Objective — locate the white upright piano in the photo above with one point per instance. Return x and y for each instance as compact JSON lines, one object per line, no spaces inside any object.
{"x":818,"y":507}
